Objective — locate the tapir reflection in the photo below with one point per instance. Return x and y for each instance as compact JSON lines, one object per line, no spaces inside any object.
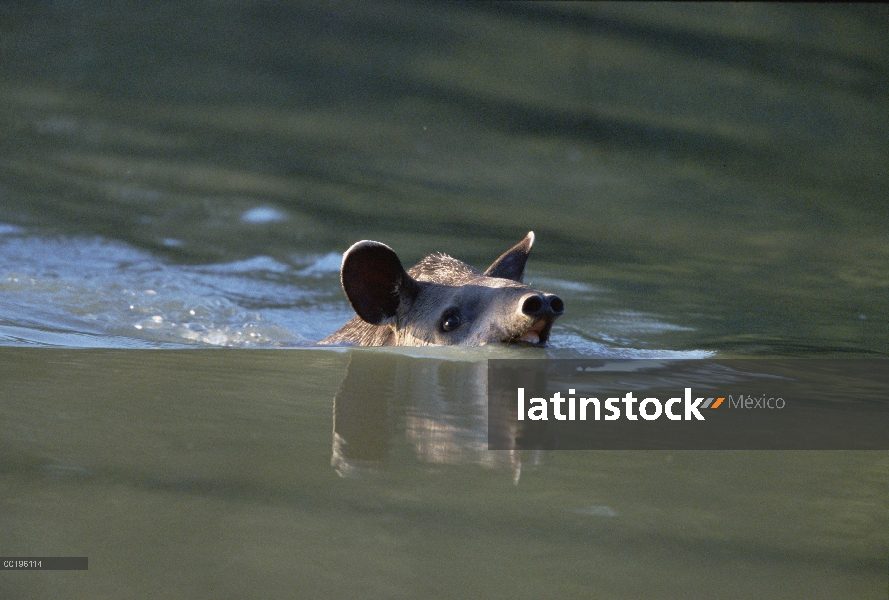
{"x":437,"y":407}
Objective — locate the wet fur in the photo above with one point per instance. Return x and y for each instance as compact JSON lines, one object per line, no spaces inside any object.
{"x":440,"y":281}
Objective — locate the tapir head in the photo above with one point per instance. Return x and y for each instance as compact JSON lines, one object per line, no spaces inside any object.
{"x":442,"y":301}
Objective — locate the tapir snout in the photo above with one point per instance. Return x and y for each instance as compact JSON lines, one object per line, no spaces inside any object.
{"x":542,"y":309}
{"x":442,"y":301}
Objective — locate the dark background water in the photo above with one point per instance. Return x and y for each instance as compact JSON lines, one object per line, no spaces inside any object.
{"x":701,"y":178}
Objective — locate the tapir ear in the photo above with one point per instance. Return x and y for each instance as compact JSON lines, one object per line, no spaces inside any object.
{"x":374,"y":281}
{"x":511,"y":264}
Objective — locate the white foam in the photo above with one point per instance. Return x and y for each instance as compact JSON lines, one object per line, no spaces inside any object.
{"x":329,"y":263}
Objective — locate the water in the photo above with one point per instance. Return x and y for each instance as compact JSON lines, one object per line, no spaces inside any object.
{"x":702,"y":180}
{"x":181,"y":473}
{"x":50,"y":298}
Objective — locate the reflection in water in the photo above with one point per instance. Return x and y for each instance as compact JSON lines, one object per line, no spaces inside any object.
{"x":222,"y":458}
{"x":440,"y":407}
{"x":463,"y":411}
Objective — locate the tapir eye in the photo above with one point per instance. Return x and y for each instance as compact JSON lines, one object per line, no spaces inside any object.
{"x":450,"y":321}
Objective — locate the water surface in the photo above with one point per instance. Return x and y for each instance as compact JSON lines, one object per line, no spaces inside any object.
{"x":702,"y":180}
{"x":182,"y":473}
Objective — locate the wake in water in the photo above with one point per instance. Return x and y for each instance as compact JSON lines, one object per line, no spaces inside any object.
{"x":96,"y":293}
{"x":89,"y":292}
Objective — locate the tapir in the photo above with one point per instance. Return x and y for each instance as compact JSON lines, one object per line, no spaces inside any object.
{"x":442,"y":301}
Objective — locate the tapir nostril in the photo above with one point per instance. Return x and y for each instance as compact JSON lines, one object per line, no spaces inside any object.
{"x":556,"y":304}
{"x":532,"y":305}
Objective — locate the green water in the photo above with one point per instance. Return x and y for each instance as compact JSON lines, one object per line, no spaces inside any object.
{"x":701,"y":178}
{"x":197,"y":474}
{"x":722,"y":167}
